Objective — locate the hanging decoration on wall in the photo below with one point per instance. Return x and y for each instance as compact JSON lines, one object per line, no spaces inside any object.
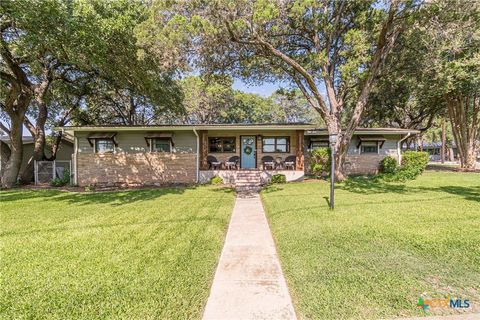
{"x":247,"y":150}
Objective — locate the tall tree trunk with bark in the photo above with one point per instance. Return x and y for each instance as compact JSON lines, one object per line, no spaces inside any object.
{"x":38,"y":130}
{"x":444,"y":141}
{"x":38,"y":134}
{"x":15,"y":106}
{"x":464,"y":117}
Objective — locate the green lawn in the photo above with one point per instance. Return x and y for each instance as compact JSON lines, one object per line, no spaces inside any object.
{"x":140,"y":254}
{"x":381,"y":248}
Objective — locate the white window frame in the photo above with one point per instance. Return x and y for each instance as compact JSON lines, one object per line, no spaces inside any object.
{"x":103,"y":139}
{"x":323,"y":144}
{"x":152,"y":141}
{"x":369,"y":144}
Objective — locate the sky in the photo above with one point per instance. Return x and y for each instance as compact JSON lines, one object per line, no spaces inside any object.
{"x":265,"y":89}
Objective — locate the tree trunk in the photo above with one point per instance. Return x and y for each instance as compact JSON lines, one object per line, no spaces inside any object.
{"x":38,"y":131}
{"x":12,"y":167}
{"x":17,"y":100}
{"x":464,"y":118}
{"x":444,"y":141}
{"x":4,"y":156}
{"x":38,"y":134}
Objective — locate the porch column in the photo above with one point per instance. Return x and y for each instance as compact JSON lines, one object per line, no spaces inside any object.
{"x":203,"y":149}
{"x":300,"y":150}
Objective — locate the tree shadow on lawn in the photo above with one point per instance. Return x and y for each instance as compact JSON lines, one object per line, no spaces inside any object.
{"x":372,"y":185}
{"x":158,"y":221}
{"x":114,"y":198}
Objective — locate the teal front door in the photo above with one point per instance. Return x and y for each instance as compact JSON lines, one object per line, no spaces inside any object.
{"x":248,"y":152}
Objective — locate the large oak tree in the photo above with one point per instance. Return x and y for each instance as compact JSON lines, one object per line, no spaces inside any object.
{"x":331,"y":50}
{"x":53,"y":50}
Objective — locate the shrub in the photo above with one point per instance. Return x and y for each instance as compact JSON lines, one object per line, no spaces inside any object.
{"x":90,"y":188}
{"x":320,"y":161}
{"x":388,"y":165}
{"x":60,"y":182}
{"x":413,"y":164}
{"x":279,"y":178}
{"x":216,"y":180}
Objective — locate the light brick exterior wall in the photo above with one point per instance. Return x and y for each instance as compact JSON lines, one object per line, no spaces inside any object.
{"x":142,"y":168}
{"x":363,"y":163}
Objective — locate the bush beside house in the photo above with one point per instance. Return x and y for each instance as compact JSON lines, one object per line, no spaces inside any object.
{"x":279,"y":178}
{"x":413,"y":165}
{"x":63,"y":181}
{"x":216,"y":180}
{"x":320,"y":161}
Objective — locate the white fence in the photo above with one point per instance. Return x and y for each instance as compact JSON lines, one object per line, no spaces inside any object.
{"x":46,"y":171}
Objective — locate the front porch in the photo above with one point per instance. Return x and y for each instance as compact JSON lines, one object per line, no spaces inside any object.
{"x":228,"y":154}
{"x":264,"y":176}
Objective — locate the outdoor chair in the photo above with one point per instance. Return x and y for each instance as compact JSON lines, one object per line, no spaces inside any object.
{"x":232,"y":163}
{"x":213,"y":163}
{"x":268,"y":163}
{"x":290,"y":162}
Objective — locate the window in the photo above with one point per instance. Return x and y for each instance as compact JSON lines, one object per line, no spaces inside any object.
{"x":104,"y":146}
{"x":221,"y":144}
{"x":319,"y":144}
{"x":369,"y":148}
{"x":275,"y":144}
{"x":161,"y":145}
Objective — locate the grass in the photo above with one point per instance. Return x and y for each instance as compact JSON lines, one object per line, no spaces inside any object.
{"x":144,"y":254}
{"x":383,"y":246}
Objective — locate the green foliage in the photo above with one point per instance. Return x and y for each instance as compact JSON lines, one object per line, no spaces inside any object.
{"x":216,"y":180}
{"x":279,"y":178}
{"x":63,"y":181}
{"x":90,"y":188}
{"x":211,"y":99}
{"x":388,"y":165}
{"x":289,"y":41}
{"x":320,"y":159}
{"x":413,"y":164}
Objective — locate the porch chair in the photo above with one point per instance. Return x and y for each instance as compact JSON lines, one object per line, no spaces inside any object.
{"x":232,"y":163}
{"x":213,"y":163}
{"x":268,"y":163}
{"x":290,"y":162}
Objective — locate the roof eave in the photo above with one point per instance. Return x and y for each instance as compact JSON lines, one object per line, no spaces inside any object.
{"x":184,"y":128}
{"x":366,"y":132}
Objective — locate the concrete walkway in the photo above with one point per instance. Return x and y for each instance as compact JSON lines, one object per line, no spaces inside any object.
{"x":249,"y":283}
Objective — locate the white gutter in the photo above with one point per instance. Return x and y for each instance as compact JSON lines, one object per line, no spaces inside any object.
{"x":399,"y":151}
{"x":198,"y":155}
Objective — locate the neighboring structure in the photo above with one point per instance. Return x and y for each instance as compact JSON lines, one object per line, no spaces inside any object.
{"x":64,"y":152}
{"x":435,"y":150}
{"x":169,"y":154}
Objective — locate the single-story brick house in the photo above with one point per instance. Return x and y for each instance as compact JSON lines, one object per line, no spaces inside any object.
{"x":168,"y":154}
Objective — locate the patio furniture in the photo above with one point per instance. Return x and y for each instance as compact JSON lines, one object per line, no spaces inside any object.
{"x":213,"y":163}
{"x":278,"y":163}
{"x":232,"y":163}
{"x":290,"y":162}
{"x":268,"y":163}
